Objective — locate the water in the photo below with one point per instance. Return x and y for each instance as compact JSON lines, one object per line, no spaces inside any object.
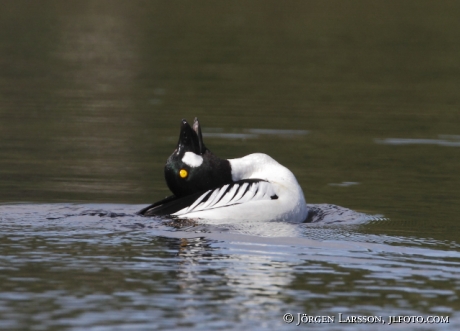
{"x":76,"y":267}
{"x":360,"y":100}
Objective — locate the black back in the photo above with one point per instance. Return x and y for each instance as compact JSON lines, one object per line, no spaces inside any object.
{"x":169,"y":205}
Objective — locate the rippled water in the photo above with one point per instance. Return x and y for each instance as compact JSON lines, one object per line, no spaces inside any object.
{"x":81,"y":266}
{"x":360,"y":100}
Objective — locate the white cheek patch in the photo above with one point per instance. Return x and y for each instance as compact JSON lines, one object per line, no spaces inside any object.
{"x":192,"y":160}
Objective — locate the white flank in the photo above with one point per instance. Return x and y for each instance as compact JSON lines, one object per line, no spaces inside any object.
{"x":192,"y":160}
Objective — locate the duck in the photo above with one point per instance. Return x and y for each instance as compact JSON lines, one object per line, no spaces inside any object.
{"x":208,"y":189}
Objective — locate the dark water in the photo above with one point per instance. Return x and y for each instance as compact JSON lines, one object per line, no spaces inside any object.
{"x":359,"y":99}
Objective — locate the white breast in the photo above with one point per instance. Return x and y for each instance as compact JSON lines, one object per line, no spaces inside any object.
{"x":290,"y":205}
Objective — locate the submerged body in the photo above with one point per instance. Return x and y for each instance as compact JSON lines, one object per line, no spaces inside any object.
{"x":210,"y":189}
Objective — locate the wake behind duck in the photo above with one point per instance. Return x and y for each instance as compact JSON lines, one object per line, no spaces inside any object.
{"x":253,"y":188}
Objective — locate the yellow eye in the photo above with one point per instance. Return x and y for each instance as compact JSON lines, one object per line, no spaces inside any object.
{"x":183,"y":173}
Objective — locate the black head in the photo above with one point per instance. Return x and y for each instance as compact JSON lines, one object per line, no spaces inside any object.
{"x":192,"y":167}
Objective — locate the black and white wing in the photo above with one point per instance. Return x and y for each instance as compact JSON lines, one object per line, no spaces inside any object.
{"x":230,"y":194}
{"x":169,"y":205}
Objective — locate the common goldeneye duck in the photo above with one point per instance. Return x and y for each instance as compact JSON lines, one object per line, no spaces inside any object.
{"x":205,"y":187}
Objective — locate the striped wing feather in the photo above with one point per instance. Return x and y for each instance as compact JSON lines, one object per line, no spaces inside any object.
{"x":230,"y":194}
